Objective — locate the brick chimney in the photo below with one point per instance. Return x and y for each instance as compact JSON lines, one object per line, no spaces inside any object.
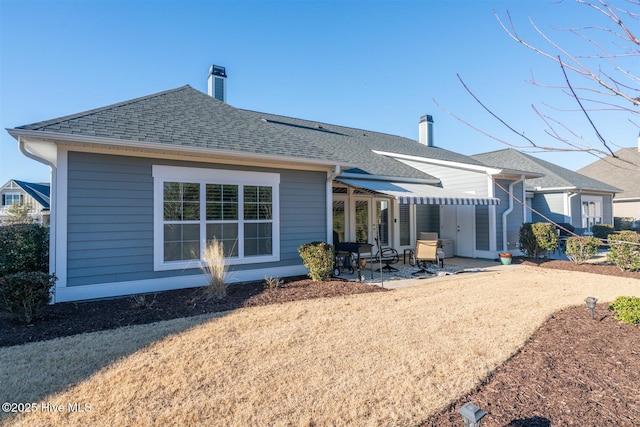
{"x":217,"y":83}
{"x":425,"y":130}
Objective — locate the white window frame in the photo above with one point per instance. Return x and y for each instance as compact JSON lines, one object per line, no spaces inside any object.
{"x":13,"y":194}
{"x":162,"y":174}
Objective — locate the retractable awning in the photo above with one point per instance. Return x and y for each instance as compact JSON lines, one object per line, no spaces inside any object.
{"x":419,"y":194}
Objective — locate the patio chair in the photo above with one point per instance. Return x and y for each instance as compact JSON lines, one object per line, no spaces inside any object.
{"x":387,"y":255}
{"x":427,"y":251}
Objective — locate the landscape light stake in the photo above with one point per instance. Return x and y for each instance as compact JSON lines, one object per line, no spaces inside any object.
{"x":471,"y":414}
{"x":591,"y":305}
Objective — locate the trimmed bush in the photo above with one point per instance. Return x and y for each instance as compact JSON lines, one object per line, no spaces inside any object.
{"x":625,"y":250}
{"x":25,"y":247}
{"x":318,"y":257}
{"x":581,"y":249}
{"x":24,"y":293}
{"x":537,"y":238}
{"x":626,"y":309}
{"x":602,"y":231}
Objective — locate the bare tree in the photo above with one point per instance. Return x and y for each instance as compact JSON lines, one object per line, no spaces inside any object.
{"x":598,"y":81}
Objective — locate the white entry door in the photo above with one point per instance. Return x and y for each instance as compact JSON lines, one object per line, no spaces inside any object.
{"x":457,"y":222}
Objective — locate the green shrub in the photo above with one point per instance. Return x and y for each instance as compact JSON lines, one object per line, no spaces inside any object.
{"x":625,"y":250}
{"x":537,"y":238}
{"x":318,"y":257}
{"x":626,"y":309}
{"x":24,"y":293}
{"x":25,"y":247}
{"x":581,"y":249}
{"x":602,"y":231}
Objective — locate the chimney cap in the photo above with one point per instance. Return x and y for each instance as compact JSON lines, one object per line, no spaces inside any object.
{"x":426,"y":118}
{"x":217,"y":70}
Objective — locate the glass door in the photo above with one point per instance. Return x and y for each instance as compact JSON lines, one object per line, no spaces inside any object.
{"x":362,"y":222}
{"x":382,"y":221}
{"x":339,"y":222}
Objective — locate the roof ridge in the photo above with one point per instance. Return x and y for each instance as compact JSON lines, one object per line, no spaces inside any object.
{"x":100,"y":109}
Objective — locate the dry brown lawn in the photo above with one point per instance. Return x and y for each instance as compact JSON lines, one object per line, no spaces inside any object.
{"x":389,"y":358}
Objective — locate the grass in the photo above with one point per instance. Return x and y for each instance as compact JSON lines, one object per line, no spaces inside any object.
{"x":372,"y":359}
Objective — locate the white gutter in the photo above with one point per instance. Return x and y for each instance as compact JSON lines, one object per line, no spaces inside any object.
{"x":568,"y":211}
{"x":505,"y":214}
{"x":331,"y":175}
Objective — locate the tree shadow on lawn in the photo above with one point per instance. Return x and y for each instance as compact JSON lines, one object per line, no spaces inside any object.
{"x":30,"y":373}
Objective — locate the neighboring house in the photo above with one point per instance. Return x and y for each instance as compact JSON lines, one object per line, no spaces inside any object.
{"x":561,"y":195}
{"x":36,"y":196}
{"x":622,"y":171}
{"x":142,"y":185}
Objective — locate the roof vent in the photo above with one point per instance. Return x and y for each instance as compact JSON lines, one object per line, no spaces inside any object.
{"x":217,"y":83}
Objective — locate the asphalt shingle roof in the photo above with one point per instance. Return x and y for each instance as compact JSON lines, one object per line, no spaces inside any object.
{"x":554,"y":176}
{"x":40,"y":192}
{"x":187,"y":117}
{"x":623,"y":172}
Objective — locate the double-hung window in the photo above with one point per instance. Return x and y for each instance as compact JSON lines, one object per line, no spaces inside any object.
{"x":193,"y":206}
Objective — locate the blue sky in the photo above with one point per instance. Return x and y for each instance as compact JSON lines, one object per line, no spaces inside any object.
{"x":376,"y":65}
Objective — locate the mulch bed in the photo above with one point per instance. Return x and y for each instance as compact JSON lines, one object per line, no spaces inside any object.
{"x":64,"y":319}
{"x":572,"y":371}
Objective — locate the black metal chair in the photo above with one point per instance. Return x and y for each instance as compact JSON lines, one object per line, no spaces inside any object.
{"x":386,"y":255}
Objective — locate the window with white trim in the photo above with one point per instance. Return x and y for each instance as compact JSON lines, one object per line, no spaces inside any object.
{"x":192,"y":206}
{"x":9,"y":199}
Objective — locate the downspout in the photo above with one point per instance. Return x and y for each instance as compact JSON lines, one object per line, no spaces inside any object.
{"x":570,"y":210}
{"x":329,"y":200}
{"x":506,"y":213}
{"x":52,"y":211}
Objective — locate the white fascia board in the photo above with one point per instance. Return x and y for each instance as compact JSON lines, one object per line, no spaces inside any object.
{"x":628,"y":199}
{"x":486,"y":169}
{"x":543,"y":189}
{"x":89,"y":141}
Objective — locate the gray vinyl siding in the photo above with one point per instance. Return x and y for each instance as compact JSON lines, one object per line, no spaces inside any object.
{"x":607,"y":209}
{"x":110,"y":217}
{"x":427,"y":218}
{"x":551,"y":205}
{"x":482,"y":228}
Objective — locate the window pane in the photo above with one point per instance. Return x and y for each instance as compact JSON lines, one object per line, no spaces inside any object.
{"x":257,"y":239}
{"x":338,"y":219}
{"x":172,"y":211}
{"x":181,"y":201}
{"x":258,"y":202}
{"x":227,"y":234}
{"x":250,"y":194}
{"x":222,"y":202}
{"x":404,"y":225}
{"x":250,"y":211}
{"x":362,"y":221}
{"x":264,"y":194}
{"x":191,"y":192}
{"x":214,"y":211}
{"x":181,"y":242}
